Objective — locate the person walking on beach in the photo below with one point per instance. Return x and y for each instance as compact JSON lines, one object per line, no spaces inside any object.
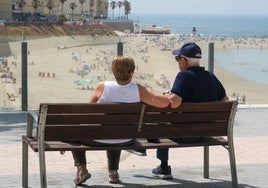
{"x":120,"y":90}
{"x":192,"y":84}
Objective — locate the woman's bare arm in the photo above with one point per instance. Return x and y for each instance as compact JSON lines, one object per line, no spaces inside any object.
{"x":96,"y":93}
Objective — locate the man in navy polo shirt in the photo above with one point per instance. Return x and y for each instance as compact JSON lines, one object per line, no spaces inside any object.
{"x":192,"y":84}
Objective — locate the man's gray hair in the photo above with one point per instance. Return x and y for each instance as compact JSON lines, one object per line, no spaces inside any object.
{"x":193,"y":61}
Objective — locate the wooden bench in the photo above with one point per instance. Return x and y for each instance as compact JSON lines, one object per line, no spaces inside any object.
{"x":61,"y":125}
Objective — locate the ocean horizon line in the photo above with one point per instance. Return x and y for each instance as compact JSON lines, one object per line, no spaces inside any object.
{"x":208,"y":25}
{"x":196,"y":14}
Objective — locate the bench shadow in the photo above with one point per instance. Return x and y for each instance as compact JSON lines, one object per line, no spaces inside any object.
{"x":175,"y":183}
{"x":9,"y":121}
{"x":93,"y":186}
{"x":182,"y":183}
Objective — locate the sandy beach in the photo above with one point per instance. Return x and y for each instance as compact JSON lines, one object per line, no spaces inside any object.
{"x":66,"y":69}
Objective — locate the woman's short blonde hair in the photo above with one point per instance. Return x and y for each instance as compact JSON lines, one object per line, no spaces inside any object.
{"x":123,"y":68}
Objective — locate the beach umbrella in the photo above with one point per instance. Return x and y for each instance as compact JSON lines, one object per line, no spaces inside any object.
{"x":84,"y":83}
{"x":77,"y":82}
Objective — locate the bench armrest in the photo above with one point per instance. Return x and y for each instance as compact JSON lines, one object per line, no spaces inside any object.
{"x":32,"y":120}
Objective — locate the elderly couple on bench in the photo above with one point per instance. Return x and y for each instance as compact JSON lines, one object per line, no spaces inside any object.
{"x":192,"y":84}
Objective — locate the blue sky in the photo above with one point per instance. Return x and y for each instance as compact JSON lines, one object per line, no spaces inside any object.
{"x":238,"y":7}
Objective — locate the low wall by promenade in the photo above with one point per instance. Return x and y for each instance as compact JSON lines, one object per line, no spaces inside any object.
{"x":121,"y":25}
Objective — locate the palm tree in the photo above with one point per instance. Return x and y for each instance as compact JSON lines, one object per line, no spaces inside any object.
{"x":50,"y":6}
{"x":113,"y":5}
{"x":35,"y":4}
{"x":72,"y":7}
{"x":91,"y":8}
{"x":62,"y":17}
{"x":119,"y":4}
{"x":62,"y":2}
{"x":82,"y":2}
{"x":99,"y":4}
{"x":127,"y":6}
{"x":106,"y":5}
{"x":21,"y":4}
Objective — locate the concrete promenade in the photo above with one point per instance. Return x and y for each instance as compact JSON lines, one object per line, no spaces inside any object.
{"x":251,"y":149}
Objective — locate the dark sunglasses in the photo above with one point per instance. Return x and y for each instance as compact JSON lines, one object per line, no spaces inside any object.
{"x":179,"y":57}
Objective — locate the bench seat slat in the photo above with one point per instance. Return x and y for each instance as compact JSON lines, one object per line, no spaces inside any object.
{"x":138,"y":144}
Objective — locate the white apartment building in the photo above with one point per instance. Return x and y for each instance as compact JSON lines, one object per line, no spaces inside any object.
{"x":10,"y":7}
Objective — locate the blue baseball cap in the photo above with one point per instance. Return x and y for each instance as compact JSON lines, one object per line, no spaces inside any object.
{"x":189,"y":49}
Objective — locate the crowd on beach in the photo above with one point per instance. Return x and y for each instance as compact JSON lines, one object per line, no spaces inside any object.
{"x":85,"y":69}
{"x":78,"y":64}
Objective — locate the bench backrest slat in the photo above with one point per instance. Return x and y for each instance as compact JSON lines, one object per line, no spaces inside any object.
{"x":84,"y":132}
{"x":84,"y":108}
{"x":187,"y":117}
{"x":197,"y":107}
{"x":61,"y":119}
{"x":92,"y":113}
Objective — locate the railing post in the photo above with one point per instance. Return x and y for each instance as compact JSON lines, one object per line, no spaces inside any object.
{"x":24,"y":93}
{"x":120,"y":48}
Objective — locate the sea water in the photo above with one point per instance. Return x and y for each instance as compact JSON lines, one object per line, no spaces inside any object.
{"x":248,"y":63}
{"x":207,"y":25}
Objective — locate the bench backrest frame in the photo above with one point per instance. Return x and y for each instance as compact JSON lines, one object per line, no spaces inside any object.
{"x":135,"y":120}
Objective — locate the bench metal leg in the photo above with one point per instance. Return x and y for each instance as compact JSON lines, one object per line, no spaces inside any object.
{"x":42,"y":166}
{"x":232,"y":163}
{"x":206,"y":162}
{"x":41,"y":146}
{"x":24,"y":164}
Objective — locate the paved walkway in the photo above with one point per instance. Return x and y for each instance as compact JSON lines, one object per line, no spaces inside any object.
{"x":251,"y":148}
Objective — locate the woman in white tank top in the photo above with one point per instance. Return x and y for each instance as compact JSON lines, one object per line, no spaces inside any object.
{"x":125,"y":91}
